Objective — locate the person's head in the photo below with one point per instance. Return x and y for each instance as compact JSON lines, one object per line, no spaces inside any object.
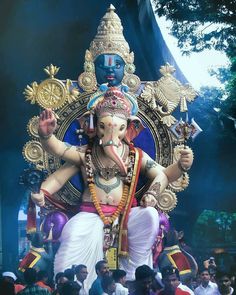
{"x":119,"y":276}
{"x":7,"y":287}
{"x":9,"y":276}
{"x":81,"y":272}
{"x":109,"y":68}
{"x":223,"y":281}
{"x":30,"y":276}
{"x":69,"y":274}
{"x":170,"y":278}
{"x":42,"y":275}
{"x":58,"y":276}
{"x":61,"y":281}
{"x":205,"y":276}
{"x":144,"y":276}
{"x":102,"y":268}
{"x":108,"y":284}
{"x":70,"y":288}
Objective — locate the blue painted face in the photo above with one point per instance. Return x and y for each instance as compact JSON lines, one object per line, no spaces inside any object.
{"x":109,"y":68}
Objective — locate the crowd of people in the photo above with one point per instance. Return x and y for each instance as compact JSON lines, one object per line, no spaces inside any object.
{"x":147,"y":282}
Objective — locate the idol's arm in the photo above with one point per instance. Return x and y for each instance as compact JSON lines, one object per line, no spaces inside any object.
{"x":161,"y":176}
{"x":54,"y":182}
{"x":159,"y":181}
{"x":175,"y":171}
{"x":47,"y":125}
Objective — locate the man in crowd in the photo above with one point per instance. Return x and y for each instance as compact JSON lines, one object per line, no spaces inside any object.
{"x":172,"y":284}
{"x":119,"y":276}
{"x":81,"y":273}
{"x":102,"y":270}
{"x":108,"y":285}
{"x":9,"y":276}
{"x":223,"y":281}
{"x":30,"y":277}
{"x":43,"y":280}
{"x":144,"y":276}
{"x":206,"y":287}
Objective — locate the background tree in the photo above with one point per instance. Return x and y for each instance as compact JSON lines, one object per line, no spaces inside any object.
{"x":207,"y":24}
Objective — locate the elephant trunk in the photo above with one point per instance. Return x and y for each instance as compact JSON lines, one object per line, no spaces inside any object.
{"x":111,"y":150}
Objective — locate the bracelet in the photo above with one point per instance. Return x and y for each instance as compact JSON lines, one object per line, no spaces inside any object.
{"x":149,"y":193}
{"x":182,"y":168}
{"x":44,"y":136}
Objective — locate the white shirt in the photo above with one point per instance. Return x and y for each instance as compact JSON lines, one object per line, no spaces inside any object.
{"x":211,"y":289}
{"x":82,"y":291}
{"x":185,"y":288}
{"x":121,"y":290}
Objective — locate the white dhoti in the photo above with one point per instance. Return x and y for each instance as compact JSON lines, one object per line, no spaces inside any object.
{"x":82,"y":242}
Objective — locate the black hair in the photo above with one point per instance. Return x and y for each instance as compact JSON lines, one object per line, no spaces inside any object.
{"x":58,"y":276}
{"x":143,"y":272}
{"x":69,"y":274}
{"x":169,"y":270}
{"x":30,"y":276}
{"x":78,"y":268}
{"x":99,"y":265}
{"x":68,"y":288}
{"x":118,"y":274}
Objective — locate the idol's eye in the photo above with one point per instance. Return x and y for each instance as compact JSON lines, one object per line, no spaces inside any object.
{"x":102,"y":126}
{"x":122,"y":127}
{"x":118,"y":65}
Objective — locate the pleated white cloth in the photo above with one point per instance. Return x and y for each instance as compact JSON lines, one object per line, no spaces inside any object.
{"x":82,"y":242}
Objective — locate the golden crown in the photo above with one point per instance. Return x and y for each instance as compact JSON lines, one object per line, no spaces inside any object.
{"x":110,"y":38}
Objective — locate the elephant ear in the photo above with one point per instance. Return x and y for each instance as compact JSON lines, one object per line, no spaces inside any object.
{"x":84,"y":122}
{"x":134,"y":128}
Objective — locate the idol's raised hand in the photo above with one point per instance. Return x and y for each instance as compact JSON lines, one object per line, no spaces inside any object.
{"x":47,"y":123}
{"x":186,"y":159}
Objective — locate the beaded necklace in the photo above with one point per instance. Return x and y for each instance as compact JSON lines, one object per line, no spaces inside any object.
{"x":90,"y":179}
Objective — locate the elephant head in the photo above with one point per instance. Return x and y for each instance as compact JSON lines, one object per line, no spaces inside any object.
{"x":114,"y":123}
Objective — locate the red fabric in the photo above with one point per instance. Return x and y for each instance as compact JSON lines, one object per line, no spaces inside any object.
{"x":123,"y":231}
{"x":31,"y":217}
{"x":181,"y":292}
{"x":27,"y":260}
{"x":59,"y":204}
{"x":18,"y":288}
{"x":181,"y":261}
{"x":89,"y":207}
{"x":43,"y":285}
{"x":177,"y":292}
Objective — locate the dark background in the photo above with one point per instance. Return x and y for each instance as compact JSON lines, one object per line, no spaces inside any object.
{"x":35,"y":33}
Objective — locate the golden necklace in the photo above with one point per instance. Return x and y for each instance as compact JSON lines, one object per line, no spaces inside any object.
{"x":90,"y":178}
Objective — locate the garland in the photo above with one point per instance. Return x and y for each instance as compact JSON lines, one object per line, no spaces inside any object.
{"x":90,"y":178}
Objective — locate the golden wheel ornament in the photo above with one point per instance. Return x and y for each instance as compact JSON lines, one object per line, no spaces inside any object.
{"x":87,"y":81}
{"x":32,"y":126}
{"x":51,"y":94}
{"x":167,"y":201}
{"x":33,"y":152}
{"x":132,"y":81}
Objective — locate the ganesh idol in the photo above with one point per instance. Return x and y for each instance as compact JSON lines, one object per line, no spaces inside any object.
{"x":109,"y":163}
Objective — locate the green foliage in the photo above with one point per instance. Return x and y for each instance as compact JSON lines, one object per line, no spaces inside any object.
{"x":200,"y":24}
{"x":207,"y":24}
{"x":214,"y":228}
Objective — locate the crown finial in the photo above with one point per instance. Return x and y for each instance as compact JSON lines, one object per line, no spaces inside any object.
{"x":111,"y":8}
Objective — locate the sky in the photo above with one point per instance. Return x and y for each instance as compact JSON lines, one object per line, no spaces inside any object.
{"x":195,"y":66}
